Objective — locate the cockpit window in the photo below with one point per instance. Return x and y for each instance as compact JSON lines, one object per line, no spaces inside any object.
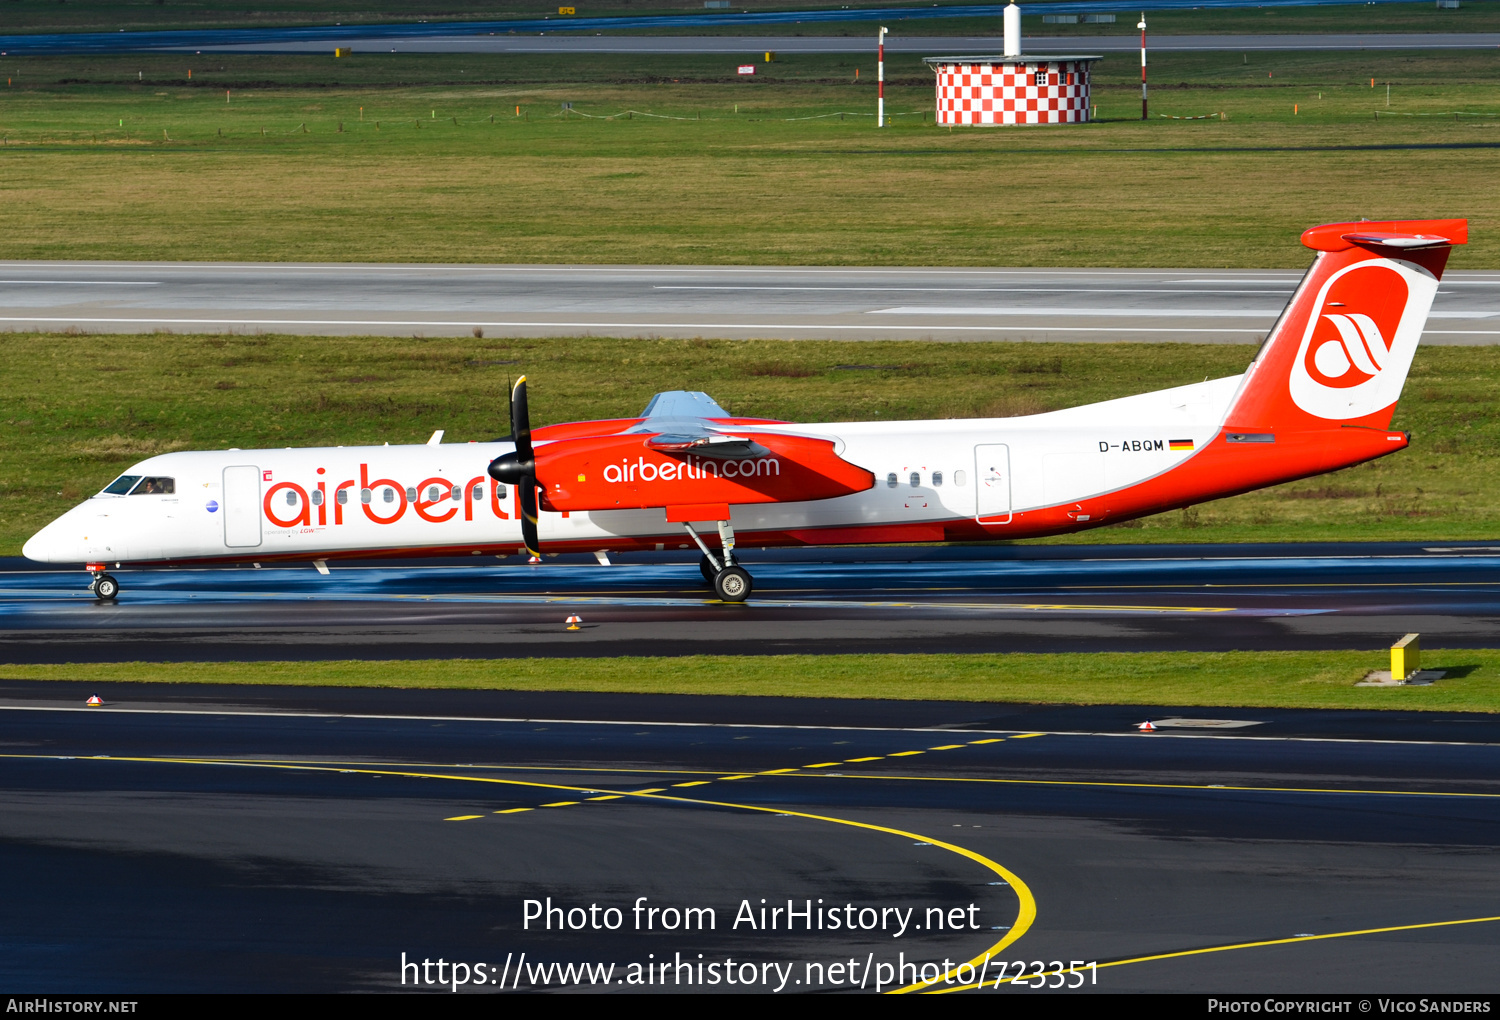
{"x":121,"y":485}
{"x":155,"y":487}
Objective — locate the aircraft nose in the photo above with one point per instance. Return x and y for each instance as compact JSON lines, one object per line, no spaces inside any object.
{"x":50,"y":546}
{"x":38,"y":547}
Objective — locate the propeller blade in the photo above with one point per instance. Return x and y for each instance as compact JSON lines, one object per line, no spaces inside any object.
{"x":519,"y":468}
{"x":520,"y":419}
{"x":529,"y":515}
{"x":512,"y":468}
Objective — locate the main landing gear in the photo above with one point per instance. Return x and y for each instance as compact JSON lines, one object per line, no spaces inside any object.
{"x":730,"y":581}
{"x":104,"y":587}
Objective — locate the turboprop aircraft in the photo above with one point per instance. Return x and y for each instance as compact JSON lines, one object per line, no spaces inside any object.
{"x":1318,"y":396}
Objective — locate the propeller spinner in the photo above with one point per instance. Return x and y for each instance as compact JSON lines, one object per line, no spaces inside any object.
{"x":519,"y":468}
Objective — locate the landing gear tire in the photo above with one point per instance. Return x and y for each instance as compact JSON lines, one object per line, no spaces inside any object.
{"x":733,"y":584}
{"x":707,"y":570}
{"x":106,"y":588}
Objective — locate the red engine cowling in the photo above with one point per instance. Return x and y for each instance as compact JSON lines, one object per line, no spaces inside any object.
{"x":621,"y":473}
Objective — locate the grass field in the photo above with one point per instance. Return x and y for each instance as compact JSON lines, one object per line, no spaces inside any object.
{"x":674,"y":160}
{"x":76,"y":410}
{"x":1242,"y":679}
{"x":25,"y":16}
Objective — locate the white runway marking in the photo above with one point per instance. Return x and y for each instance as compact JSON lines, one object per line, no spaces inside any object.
{"x":6,"y":706}
{"x":1121,"y":313}
{"x":573,"y":324}
{"x":1278,"y":293}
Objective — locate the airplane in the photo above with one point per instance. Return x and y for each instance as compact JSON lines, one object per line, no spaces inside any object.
{"x":1318,"y":396}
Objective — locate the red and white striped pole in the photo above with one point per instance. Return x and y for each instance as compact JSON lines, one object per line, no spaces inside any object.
{"x":880,"y":81}
{"x":1142,"y":27}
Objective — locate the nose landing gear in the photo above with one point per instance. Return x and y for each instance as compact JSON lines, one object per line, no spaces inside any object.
{"x":104,"y":587}
{"x":730,"y":581}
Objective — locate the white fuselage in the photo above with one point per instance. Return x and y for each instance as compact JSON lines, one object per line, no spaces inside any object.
{"x":278,"y":504}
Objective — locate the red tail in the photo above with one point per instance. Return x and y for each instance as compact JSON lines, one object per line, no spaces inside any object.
{"x":1340,"y":352}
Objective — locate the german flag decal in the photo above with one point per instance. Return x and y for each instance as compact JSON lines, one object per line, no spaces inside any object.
{"x":1179,"y":444}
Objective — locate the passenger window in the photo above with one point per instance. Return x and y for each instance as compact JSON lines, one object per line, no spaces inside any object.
{"x":411,"y":494}
{"x":916,"y":479}
{"x":388,"y":494}
{"x":155,"y":487}
{"x":364,"y":495}
{"x":122,"y":485}
{"x":342,"y":496}
{"x":500,"y":491}
{"x":291,"y":497}
{"x":937,"y":479}
{"x":958,"y":478}
{"x":890,"y":480}
{"x":457,"y":494}
{"x":317,"y":498}
{"x":478,"y":492}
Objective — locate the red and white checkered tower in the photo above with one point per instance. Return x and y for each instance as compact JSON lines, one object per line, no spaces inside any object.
{"x":1012,"y":88}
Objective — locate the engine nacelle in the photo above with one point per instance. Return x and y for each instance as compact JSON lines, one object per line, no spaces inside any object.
{"x":622,"y":472}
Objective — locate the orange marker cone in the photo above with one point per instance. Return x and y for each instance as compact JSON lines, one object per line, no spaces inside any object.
{"x":535,"y":559}
{"x":574,"y":621}
{"x":94,"y":701}
{"x":1147,"y":727}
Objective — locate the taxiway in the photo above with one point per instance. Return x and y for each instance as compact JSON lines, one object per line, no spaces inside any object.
{"x":957,"y":599}
{"x":226,"y":839}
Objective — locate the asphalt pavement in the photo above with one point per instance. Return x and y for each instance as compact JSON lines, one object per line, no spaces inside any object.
{"x":749,"y":45}
{"x":1090,"y":305}
{"x":303,"y":843}
{"x":930,"y":600}
{"x":491,"y":36}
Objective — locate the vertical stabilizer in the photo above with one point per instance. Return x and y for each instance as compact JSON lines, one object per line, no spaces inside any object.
{"x":1340,"y":352}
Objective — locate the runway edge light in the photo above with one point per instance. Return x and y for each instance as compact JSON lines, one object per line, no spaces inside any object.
{"x":94,"y":701}
{"x":573,"y":622}
{"x":1147,"y":727}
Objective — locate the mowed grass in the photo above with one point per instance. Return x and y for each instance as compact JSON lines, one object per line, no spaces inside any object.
{"x":675,"y":160}
{"x":1222,"y":679}
{"x":75,"y":410}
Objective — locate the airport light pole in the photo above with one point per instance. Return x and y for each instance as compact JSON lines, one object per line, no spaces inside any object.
{"x":1142,"y":27}
{"x":880,"y":79}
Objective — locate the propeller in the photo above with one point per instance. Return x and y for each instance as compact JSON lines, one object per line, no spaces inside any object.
{"x":519,"y":468}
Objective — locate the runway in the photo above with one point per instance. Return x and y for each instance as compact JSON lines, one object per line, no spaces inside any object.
{"x":814,"y":601}
{"x":489,"y":36}
{"x":1194,"y":305}
{"x":896,"y":44}
{"x":298,"y":843}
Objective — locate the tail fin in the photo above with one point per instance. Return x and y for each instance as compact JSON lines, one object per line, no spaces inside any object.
{"x":1340,"y":352}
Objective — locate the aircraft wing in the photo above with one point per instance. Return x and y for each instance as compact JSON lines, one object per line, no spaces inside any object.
{"x":678,"y":421}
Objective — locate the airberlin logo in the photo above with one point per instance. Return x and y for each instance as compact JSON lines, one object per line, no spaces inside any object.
{"x":1359,"y":342}
{"x":1358,"y":353}
{"x":691,"y":469}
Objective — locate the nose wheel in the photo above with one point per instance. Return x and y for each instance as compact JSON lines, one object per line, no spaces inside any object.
{"x":105,"y":587}
{"x":730,"y":581}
